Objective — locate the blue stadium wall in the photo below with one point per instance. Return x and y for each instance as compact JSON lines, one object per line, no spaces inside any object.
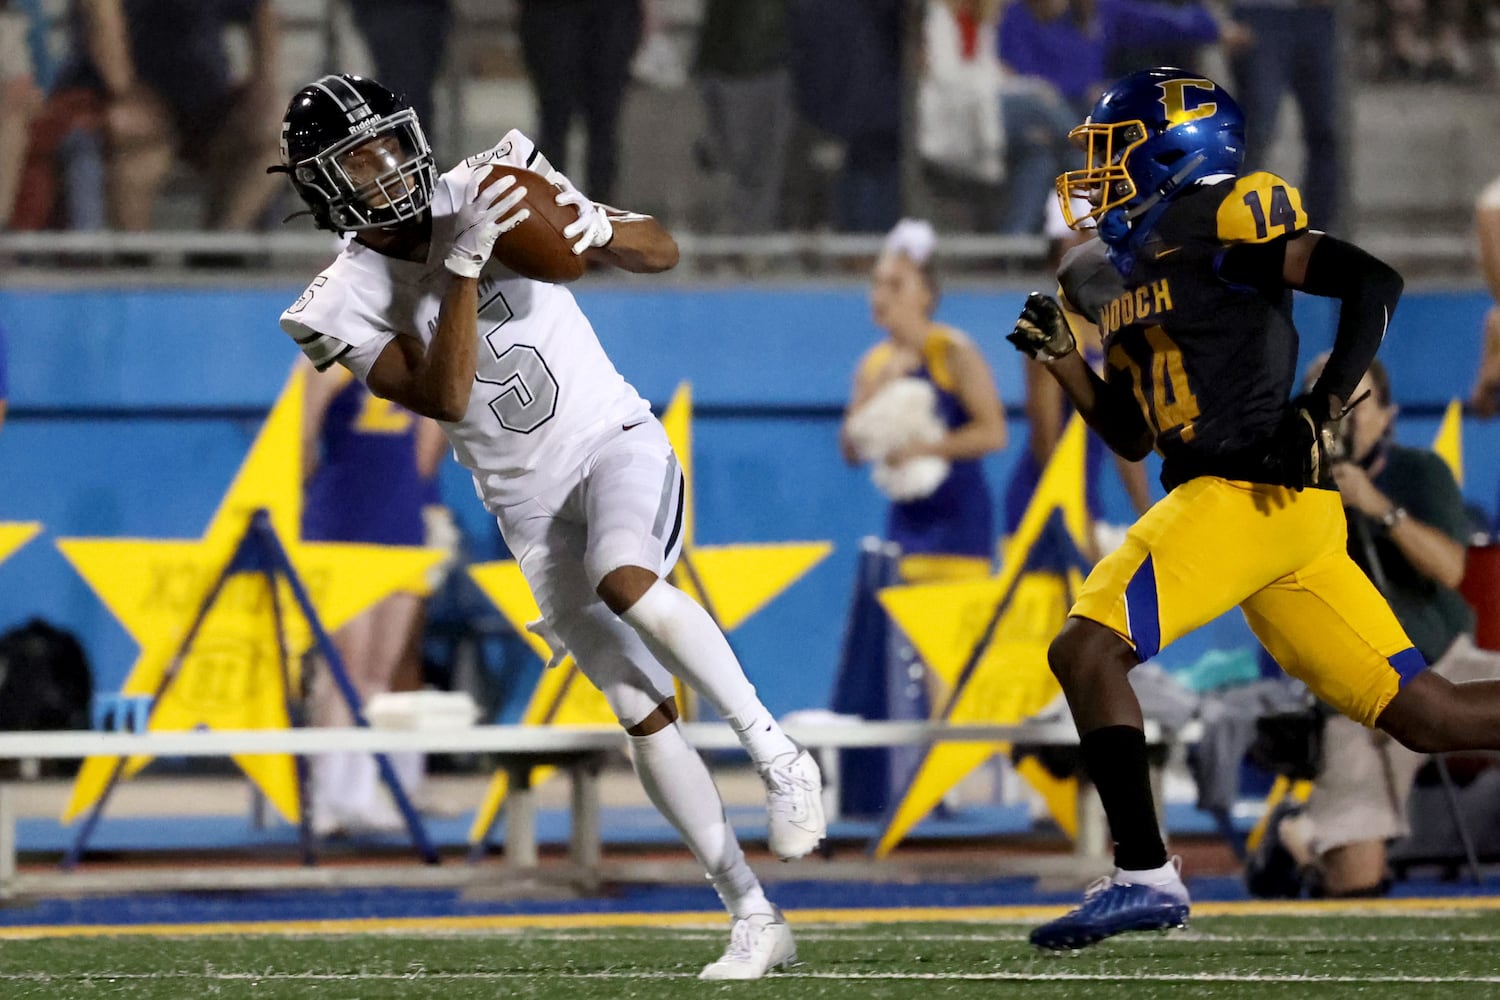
{"x":132,"y":409}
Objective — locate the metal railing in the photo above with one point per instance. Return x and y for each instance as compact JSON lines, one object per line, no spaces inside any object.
{"x":164,"y":255}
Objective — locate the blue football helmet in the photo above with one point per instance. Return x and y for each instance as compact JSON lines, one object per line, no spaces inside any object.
{"x":1151,"y":136}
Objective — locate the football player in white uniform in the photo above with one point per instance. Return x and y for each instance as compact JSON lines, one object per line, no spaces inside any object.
{"x":563,"y":451}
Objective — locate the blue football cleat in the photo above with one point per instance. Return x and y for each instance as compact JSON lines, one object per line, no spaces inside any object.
{"x":1111,"y":908}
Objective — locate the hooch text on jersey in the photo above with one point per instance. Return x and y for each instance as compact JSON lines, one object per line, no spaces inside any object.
{"x":1139,"y":305}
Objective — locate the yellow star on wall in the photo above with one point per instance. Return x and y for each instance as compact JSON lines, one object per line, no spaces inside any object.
{"x":1449,"y":440}
{"x":14,"y":534}
{"x":1010,"y":680}
{"x":232,"y":675}
{"x":738,"y":580}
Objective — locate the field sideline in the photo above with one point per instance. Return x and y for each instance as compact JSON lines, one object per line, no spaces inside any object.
{"x":1406,"y":948}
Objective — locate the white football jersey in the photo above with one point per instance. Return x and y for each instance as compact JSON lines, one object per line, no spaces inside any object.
{"x":544,"y":390}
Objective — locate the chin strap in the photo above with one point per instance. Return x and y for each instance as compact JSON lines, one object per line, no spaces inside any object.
{"x":1119,"y":227}
{"x":1189,"y":166}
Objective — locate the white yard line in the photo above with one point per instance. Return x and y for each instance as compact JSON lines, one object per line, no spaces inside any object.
{"x":1020,"y":976}
{"x":1188,"y":936}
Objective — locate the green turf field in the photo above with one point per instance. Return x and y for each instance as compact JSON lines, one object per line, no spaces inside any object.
{"x":1406,"y":955}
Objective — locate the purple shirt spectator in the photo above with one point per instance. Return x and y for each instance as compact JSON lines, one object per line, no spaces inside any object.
{"x":1070,"y":54}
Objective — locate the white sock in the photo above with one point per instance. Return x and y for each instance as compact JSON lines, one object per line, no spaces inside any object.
{"x":1168,"y":877}
{"x":758,"y":732}
{"x":678,"y":783}
{"x":685,"y":639}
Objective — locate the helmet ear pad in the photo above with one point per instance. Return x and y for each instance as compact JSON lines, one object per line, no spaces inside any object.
{"x":1169,"y":161}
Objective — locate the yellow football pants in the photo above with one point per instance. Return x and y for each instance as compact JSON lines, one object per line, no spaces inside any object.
{"x":1279,"y":555}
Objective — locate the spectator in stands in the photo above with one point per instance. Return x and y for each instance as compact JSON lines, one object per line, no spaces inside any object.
{"x":925,"y":410}
{"x":62,"y":179}
{"x":366,"y":466}
{"x":161,"y":69}
{"x":846,"y":63}
{"x":743,"y":75}
{"x":1485,"y":398}
{"x":19,"y":100}
{"x":1408,"y":530}
{"x":1057,"y":53}
{"x":1294,"y":47}
{"x":1161,"y":50}
{"x":407,"y":40}
{"x":1425,"y":39}
{"x":1068,"y":42}
{"x":578,"y":55}
{"x":959,"y":135}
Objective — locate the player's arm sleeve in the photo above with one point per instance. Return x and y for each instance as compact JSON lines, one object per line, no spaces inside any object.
{"x":1087,"y":280}
{"x":1257,"y":220}
{"x":1368,"y":290}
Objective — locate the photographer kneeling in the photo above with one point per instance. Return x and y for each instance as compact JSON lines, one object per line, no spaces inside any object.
{"x":1408,"y":530}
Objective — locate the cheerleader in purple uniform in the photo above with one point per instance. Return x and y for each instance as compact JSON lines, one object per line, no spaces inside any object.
{"x":362,"y":482}
{"x":925,"y":411}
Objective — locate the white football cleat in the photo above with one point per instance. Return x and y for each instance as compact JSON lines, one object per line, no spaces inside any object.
{"x":794,"y":802}
{"x":757,"y":944}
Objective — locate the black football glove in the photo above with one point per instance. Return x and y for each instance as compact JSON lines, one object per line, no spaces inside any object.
{"x":1306,"y":444}
{"x":1042,"y":330}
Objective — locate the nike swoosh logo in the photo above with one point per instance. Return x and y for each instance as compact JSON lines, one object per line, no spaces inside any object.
{"x":1167,"y":252}
{"x":631,"y":427}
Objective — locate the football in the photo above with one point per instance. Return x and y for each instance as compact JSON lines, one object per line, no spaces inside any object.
{"x":537,"y":248}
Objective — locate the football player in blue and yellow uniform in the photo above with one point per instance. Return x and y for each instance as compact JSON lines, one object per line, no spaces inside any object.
{"x":1190,"y":284}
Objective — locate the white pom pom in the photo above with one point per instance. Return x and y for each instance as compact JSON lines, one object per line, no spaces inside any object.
{"x":902,"y":413}
{"x":913,"y":479}
{"x":914,"y":239}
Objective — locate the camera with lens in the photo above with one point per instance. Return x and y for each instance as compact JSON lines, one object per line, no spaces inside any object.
{"x":1338,"y":440}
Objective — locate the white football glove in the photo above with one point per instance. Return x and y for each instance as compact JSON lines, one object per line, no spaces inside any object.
{"x":593,"y":228}
{"x":480,"y":221}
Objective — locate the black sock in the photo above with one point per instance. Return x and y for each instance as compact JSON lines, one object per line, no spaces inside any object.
{"x":1115,"y":758}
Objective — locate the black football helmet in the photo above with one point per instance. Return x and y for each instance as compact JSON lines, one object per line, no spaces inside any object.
{"x":356,"y":154}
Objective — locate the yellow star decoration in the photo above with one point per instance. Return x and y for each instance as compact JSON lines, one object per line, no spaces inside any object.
{"x":739,"y":581}
{"x":1449,"y":440}
{"x":14,"y":534}
{"x":1011,"y":680}
{"x":231,"y":677}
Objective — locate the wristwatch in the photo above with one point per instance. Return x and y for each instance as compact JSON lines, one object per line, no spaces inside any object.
{"x":1392,"y":517}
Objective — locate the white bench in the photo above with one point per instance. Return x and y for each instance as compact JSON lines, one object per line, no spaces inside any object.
{"x":578,"y":750}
